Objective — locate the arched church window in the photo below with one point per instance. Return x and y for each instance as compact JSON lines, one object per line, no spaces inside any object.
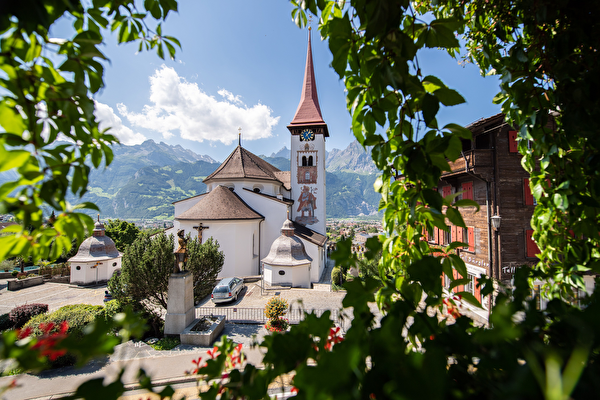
{"x":304,"y":161}
{"x":256,"y":190}
{"x":310,"y":161}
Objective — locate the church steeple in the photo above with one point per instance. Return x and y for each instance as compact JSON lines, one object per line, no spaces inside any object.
{"x":308,"y":113}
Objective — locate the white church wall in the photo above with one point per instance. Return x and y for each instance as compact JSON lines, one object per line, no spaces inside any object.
{"x":295,"y":276}
{"x":186,"y":204}
{"x":316,"y":268}
{"x":235,"y":241}
{"x":275,"y":214}
{"x":78,"y":274}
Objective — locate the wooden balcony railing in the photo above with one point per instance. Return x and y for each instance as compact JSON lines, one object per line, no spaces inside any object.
{"x":475,"y":159}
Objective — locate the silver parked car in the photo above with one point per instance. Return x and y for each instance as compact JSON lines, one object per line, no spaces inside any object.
{"x":227,"y":289}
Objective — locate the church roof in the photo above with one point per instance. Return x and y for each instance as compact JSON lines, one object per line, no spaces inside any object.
{"x":220,"y":204}
{"x":286,"y":178}
{"x":287,"y":250}
{"x":309,"y":112}
{"x":243,"y":164}
{"x":98,"y":247}
{"x":309,"y":235}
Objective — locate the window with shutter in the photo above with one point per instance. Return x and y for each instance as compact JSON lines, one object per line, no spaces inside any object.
{"x":447,"y":237}
{"x":527,"y":195}
{"x":512,"y":142}
{"x":477,"y":290}
{"x":471,"y":239}
{"x":467,"y":189}
{"x":446,"y":191}
{"x":453,"y":230}
{"x":531,"y":246}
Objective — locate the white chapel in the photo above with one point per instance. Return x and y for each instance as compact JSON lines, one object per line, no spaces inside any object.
{"x":248,"y":201}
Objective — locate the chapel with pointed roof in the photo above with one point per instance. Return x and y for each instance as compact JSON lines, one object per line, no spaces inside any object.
{"x":248,"y":201}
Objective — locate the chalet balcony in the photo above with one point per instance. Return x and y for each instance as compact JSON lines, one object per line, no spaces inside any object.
{"x":479,"y":161}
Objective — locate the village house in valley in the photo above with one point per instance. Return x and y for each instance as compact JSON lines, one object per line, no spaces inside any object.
{"x":248,"y":200}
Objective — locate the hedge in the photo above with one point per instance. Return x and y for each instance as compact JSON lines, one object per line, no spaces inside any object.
{"x":20,"y":315}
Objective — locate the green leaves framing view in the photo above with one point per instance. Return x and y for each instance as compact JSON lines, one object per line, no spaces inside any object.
{"x":546,"y":53}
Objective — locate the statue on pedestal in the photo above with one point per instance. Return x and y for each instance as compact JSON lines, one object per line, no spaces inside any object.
{"x":181,"y":253}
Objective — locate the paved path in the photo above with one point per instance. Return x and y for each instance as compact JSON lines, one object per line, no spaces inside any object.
{"x":55,"y":295}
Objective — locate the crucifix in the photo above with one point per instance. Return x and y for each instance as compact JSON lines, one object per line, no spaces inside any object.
{"x":200,"y":229}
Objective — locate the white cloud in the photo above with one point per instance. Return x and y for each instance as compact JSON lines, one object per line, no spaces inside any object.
{"x":177,"y":104}
{"x":230,"y":97}
{"x":107,"y":118}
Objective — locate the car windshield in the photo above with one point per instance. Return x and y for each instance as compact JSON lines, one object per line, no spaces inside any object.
{"x":221,"y":289}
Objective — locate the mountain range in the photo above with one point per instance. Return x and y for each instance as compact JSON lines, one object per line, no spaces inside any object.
{"x":144,"y":180}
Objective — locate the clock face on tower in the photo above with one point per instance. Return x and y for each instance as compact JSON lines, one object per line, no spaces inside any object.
{"x":307,"y":135}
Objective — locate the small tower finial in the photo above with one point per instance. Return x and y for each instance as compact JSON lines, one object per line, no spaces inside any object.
{"x":310,"y":22}
{"x":98,"y":217}
{"x":240,"y":135}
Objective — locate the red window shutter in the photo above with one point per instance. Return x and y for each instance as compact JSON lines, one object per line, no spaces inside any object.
{"x":455,"y":273}
{"x":467,"y":188}
{"x":530,"y":245}
{"x":528,"y":196}
{"x":512,"y":142}
{"x":471,"y":239}
{"x":435,"y":235}
{"x":459,"y":234}
{"x":453,"y":231}
{"x":446,"y":191}
{"x":477,"y":290}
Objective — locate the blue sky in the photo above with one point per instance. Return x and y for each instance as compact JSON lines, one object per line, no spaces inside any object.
{"x":242,"y":65}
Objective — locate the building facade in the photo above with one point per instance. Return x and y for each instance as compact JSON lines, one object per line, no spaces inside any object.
{"x":489,"y":172}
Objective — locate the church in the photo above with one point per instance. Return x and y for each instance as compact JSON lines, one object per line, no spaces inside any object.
{"x":266,"y":220}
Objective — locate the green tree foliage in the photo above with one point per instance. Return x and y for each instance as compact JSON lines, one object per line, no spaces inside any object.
{"x":123,"y":233}
{"x":146,"y":266}
{"x":205,"y":261}
{"x":48,"y":86}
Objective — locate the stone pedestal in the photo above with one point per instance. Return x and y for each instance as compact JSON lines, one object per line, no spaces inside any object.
{"x":180,"y":306}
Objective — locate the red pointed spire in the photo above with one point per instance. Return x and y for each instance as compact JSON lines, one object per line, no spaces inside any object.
{"x":308,"y":112}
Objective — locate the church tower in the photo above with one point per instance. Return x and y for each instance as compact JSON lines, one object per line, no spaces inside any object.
{"x":308,"y":154}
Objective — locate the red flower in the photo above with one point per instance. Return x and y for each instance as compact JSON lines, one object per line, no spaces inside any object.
{"x":47,"y":343}
{"x":23,"y":333}
{"x":213,"y":353}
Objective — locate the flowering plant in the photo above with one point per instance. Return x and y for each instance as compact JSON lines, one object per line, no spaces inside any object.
{"x":277,"y":325}
{"x":276,"y":307}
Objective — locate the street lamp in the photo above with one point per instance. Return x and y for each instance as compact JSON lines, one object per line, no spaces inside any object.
{"x":496,"y":221}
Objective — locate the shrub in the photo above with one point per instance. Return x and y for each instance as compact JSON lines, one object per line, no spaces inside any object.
{"x":5,"y":322}
{"x":77,"y":317}
{"x":276,"y":307}
{"x":7,"y":265}
{"x":14,"y":273}
{"x":20,"y":315}
{"x":112,"y":308}
{"x":31,"y":275}
{"x":336,"y":274}
{"x":277,"y":325}
{"x":21,"y":275}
